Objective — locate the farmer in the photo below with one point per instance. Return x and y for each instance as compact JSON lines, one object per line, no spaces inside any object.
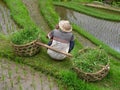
{"x":61,"y":39}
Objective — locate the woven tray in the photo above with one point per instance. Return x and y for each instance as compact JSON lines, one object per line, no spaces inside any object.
{"x":28,"y":49}
{"x":92,"y":76}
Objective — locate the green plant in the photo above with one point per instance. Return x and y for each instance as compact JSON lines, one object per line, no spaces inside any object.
{"x":12,"y":83}
{"x":91,"y":60}
{"x":10,"y":74}
{"x":20,"y":87}
{"x":3,"y":77}
{"x":25,"y":36}
{"x":33,"y":83}
{"x":41,"y":83}
{"x":18,"y":79}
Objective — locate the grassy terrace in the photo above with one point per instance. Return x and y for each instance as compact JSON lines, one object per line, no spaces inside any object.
{"x":89,"y":11}
{"x":42,"y":62}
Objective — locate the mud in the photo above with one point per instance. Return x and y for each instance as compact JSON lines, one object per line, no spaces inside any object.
{"x":15,"y":76}
{"x":7,"y":25}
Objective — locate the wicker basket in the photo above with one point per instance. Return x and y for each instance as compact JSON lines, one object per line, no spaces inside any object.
{"x":92,"y":76}
{"x":28,"y":49}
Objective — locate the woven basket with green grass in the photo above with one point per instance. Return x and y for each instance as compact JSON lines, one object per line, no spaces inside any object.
{"x":91,"y":64}
{"x":24,"y":42}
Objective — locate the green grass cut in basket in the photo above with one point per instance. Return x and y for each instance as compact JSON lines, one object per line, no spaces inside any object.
{"x":25,"y":36}
{"x":91,"y":60}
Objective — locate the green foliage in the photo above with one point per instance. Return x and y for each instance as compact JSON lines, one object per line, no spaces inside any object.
{"x":70,"y":79}
{"x":91,"y":60}
{"x":25,"y":36}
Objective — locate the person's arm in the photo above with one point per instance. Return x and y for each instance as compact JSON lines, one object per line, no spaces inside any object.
{"x":50,"y":34}
{"x":72,"y":43}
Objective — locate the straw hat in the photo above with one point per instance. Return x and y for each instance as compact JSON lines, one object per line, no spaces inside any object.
{"x":65,"y":26}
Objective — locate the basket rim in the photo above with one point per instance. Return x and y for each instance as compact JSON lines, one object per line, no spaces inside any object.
{"x":24,"y":44}
{"x":107,"y":66}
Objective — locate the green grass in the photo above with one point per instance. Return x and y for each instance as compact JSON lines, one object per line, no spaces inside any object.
{"x":89,"y":11}
{"x":59,"y":69}
{"x":25,"y":36}
{"x":91,"y":60}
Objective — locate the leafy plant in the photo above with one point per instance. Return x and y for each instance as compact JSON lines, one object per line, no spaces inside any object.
{"x":25,"y":36}
{"x":91,"y":60}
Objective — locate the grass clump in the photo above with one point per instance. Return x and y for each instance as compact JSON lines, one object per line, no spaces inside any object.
{"x":25,"y":36}
{"x":91,"y":60}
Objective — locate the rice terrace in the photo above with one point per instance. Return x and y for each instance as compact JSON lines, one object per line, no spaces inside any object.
{"x":32,"y":57}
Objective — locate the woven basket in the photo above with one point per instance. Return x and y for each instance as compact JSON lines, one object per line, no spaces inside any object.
{"x":92,"y":76}
{"x":28,"y":49}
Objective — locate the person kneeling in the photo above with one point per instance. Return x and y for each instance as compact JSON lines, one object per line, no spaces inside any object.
{"x":61,"y":39}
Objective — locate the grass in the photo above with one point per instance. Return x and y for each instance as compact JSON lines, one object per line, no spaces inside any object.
{"x":61,"y":70}
{"x":91,"y":60}
{"x":89,"y":11}
{"x":25,"y":36}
